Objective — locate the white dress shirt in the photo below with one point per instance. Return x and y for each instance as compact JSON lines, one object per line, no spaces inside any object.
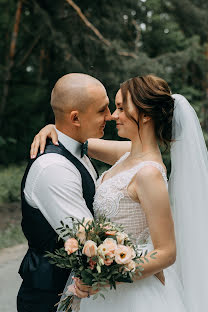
{"x":54,"y":185}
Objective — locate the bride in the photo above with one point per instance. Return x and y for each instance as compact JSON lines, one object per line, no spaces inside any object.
{"x":134,"y":192}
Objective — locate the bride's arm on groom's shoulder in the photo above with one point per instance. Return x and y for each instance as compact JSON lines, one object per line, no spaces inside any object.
{"x":107,"y":151}
{"x":39,"y":140}
{"x":153,"y":196}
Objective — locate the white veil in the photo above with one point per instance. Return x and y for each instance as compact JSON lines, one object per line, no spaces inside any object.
{"x":188,"y":190}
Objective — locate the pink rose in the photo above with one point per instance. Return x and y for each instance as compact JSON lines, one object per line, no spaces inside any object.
{"x":90,"y":249}
{"x":123,"y":254}
{"x":130,"y":266}
{"x":71,"y":245}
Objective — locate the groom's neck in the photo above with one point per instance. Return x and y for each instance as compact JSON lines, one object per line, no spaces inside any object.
{"x":71,"y":133}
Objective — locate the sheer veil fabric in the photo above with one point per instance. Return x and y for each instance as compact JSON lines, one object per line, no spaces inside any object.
{"x":188,"y":190}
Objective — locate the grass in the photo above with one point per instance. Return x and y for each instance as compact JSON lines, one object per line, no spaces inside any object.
{"x":10,"y":180}
{"x":11,"y":236}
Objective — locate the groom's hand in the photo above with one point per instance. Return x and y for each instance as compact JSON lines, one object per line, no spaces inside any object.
{"x":82,"y":290}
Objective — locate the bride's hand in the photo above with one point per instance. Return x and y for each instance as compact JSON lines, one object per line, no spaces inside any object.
{"x":39,"y":140}
{"x":82,"y":290}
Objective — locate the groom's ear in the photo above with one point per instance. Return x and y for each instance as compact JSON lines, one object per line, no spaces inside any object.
{"x":74,"y":117}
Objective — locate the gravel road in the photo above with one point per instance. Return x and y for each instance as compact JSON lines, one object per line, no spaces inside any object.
{"x":10,"y":280}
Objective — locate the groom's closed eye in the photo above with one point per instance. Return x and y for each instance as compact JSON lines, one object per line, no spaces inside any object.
{"x":103,"y":109}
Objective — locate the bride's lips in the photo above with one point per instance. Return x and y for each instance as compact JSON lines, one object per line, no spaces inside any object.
{"x":118,"y":124}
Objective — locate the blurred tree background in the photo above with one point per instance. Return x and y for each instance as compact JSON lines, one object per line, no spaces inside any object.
{"x":42,"y":40}
{"x":112,"y":41}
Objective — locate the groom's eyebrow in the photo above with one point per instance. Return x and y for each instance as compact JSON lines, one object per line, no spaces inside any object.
{"x":103,"y":107}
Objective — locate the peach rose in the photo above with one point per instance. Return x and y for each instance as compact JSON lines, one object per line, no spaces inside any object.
{"x":90,"y":249}
{"x":121,"y":237}
{"x":110,"y":233}
{"x":108,"y":261}
{"x":71,"y":245}
{"x":123,"y":254}
{"x":130,"y":266}
{"x":133,"y":253}
{"x":107,"y":248}
{"x":81,"y":235}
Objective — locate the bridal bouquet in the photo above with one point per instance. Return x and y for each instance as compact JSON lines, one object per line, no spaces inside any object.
{"x":98,"y":252}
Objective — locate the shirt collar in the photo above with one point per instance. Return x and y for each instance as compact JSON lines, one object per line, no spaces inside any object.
{"x":70,"y":144}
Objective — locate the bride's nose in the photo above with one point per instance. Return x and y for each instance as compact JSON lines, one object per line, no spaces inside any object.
{"x":115,"y":115}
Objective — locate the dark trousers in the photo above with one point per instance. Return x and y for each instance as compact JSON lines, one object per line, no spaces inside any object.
{"x":36,"y":300}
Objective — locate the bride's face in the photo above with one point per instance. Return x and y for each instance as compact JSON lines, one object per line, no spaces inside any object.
{"x":127,"y":128}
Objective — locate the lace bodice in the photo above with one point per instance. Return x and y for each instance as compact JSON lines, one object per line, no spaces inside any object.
{"x":112,"y":199}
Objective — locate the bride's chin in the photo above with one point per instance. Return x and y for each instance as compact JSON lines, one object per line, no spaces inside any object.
{"x":122,"y":135}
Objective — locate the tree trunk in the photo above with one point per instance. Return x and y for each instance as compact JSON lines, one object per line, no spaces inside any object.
{"x":10,"y":62}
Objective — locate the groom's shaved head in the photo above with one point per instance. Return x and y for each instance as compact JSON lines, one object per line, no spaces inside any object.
{"x":73,"y":92}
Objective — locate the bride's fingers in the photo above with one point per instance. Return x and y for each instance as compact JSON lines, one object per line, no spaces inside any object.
{"x":85,"y":288}
{"x":79,"y":293}
{"x":42,"y":143}
{"x":81,"y":286}
{"x":54,"y":137}
{"x":35,"y":146}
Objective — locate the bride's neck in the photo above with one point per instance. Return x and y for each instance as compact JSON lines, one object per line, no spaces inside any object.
{"x":143,"y":146}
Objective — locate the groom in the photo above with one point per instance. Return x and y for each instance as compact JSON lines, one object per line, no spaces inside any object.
{"x":57,"y":184}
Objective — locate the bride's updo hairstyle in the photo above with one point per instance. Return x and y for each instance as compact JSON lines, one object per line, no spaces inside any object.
{"x":151,"y":96}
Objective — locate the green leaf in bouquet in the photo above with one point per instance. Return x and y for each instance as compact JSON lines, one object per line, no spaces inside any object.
{"x":95,"y":286}
{"x":146,"y":259}
{"x":146,"y":251}
{"x":103,"y":282}
{"x":139,"y":260}
{"x":153,"y":255}
{"x":102,"y":296}
{"x":95,"y":296}
{"x":113,"y":283}
{"x":59,"y":228}
{"x":87,"y":277}
{"x":124,"y":279}
{"x":140,"y":268}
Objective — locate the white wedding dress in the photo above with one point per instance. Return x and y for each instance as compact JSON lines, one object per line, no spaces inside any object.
{"x":148,"y":294}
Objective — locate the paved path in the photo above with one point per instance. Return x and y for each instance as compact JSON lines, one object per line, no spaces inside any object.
{"x":10,"y":281}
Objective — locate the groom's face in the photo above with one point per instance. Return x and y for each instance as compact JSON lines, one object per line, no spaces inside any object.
{"x":96,"y":114}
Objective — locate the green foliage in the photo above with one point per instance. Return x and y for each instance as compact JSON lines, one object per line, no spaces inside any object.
{"x":13,"y":235}
{"x":10,"y":180}
{"x":167,"y":38}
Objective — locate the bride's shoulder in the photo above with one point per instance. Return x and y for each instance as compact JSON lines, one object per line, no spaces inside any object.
{"x":150,"y":171}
